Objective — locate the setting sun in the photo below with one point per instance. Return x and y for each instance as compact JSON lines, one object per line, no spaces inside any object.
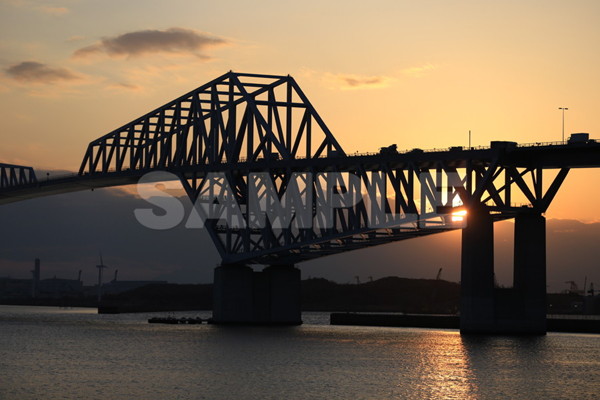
{"x":459,"y":216}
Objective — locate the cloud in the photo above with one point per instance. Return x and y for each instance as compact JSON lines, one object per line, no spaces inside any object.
{"x":54,"y":10}
{"x":342,"y":81}
{"x":417,"y":72}
{"x":350,"y":81}
{"x":124,"y":86}
{"x":139,"y":43}
{"x":86,"y":222}
{"x":31,"y":5}
{"x":35,"y":72}
{"x":138,"y":252}
{"x":75,"y":38}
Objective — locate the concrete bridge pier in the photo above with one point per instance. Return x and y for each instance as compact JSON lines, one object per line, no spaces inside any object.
{"x":517,"y":310}
{"x":477,"y":273}
{"x":529,"y":281}
{"x":233,"y":294}
{"x":246,"y":297}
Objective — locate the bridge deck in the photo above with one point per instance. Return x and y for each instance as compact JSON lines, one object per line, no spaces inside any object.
{"x":543,"y":155}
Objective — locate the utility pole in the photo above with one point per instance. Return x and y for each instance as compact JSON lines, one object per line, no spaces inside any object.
{"x":100,"y":268}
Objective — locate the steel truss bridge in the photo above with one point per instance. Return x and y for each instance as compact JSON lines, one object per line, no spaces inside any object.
{"x":244,"y":137}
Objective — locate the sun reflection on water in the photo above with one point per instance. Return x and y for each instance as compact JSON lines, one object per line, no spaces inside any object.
{"x":444,"y":371}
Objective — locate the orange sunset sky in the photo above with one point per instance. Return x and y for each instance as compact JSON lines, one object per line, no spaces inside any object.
{"x":415,"y":73}
{"x":419,"y":74}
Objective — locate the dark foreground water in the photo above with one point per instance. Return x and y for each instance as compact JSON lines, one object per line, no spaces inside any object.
{"x":50,"y":353}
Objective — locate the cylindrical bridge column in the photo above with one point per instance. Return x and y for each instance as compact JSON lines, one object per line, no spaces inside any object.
{"x":233,"y":295}
{"x":284,"y":293}
{"x":530,"y":271}
{"x":268,"y":297}
{"x":477,"y":273}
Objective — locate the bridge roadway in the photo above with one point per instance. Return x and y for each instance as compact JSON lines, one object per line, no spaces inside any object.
{"x":554,"y":155}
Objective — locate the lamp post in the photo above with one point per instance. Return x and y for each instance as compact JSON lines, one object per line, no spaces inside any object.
{"x":563,"y":122}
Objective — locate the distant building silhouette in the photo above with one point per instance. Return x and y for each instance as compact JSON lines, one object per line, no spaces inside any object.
{"x":56,"y":288}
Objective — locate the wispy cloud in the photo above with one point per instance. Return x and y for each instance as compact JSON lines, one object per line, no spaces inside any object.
{"x":351,"y":81}
{"x":140,"y":43}
{"x":417,"y":72}
{"x":345,"y":81}
{"x":53,"y":10}
{"x":123,"y":86}
{"x":33,"y":5}
{"x":75,"y":38}
{"x":35,"y":72}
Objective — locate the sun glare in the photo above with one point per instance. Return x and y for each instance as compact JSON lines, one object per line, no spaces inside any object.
{"x":459,"y":216}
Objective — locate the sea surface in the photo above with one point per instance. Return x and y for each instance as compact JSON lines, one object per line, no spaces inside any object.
{"x":52,"y":353}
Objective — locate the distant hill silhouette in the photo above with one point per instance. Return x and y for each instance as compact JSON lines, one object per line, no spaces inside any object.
{"x":392,"y":294}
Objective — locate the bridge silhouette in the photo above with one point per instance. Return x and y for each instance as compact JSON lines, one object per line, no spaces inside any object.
{"x":249,"y":139}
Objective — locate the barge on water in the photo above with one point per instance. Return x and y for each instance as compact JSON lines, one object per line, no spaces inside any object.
{"x":175,"y":321}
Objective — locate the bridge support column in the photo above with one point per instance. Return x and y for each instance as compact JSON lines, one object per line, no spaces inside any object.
{"x":269,"y":297}
{"x":232,"y":294}
{"x":518,"y":310}
{"x":530,"y":272}
{"x":284,"y":294}
{"x":477,"y":273}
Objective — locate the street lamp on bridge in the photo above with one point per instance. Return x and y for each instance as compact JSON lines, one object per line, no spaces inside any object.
{"x":563,"y":122}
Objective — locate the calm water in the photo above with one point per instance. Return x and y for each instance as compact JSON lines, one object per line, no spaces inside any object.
{"x":49,"y":353}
